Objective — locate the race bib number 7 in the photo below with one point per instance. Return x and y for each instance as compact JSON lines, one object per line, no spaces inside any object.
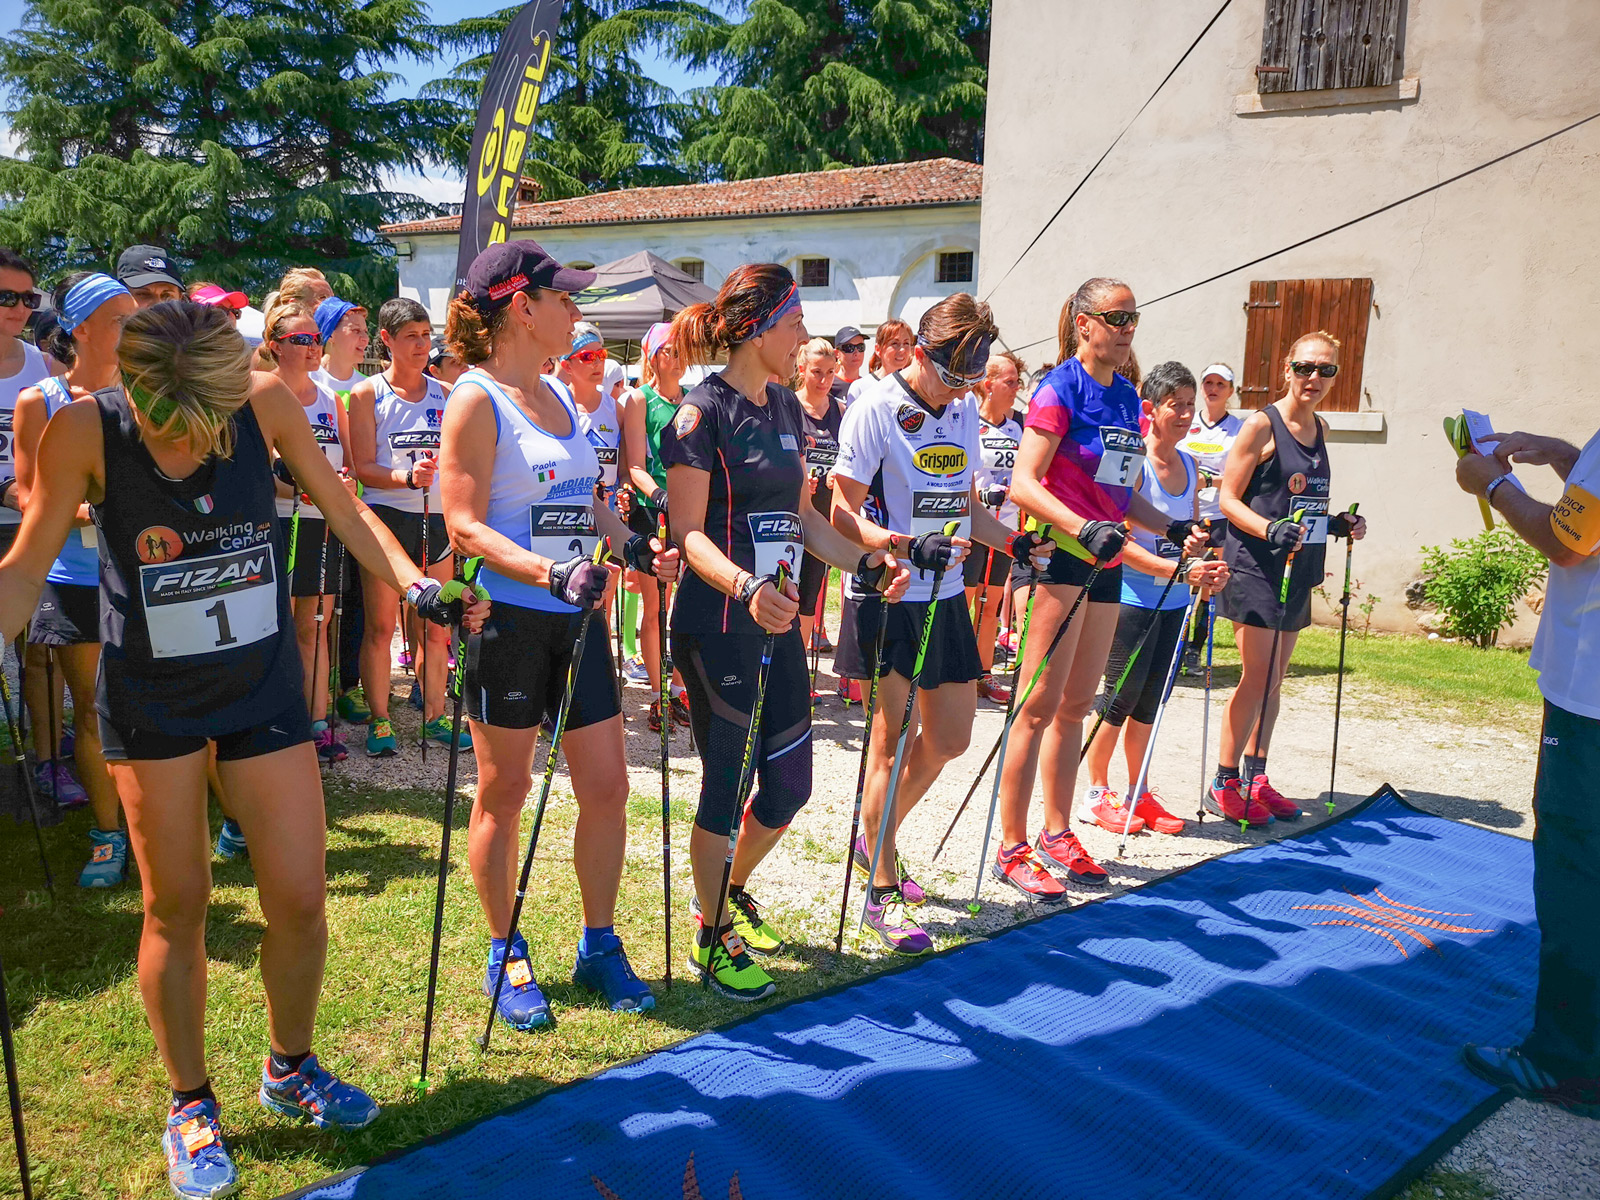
{"x":1123,"y":460}
{"x":203,"y":605}
{"x":778,"y":540}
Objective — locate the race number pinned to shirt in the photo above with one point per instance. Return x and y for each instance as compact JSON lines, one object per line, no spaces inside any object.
{"x":1123,"y":460}
{"x":1315,"y":519}
{"x":203,"y":605}
{"x":606,"y":456}
{"x":932,"y":511}
{"x":412,"y":444}
{"x":778,"y":539}
{"x":7,"y":455}
{"x":1576,"y":519}
{"x":786,"y":440}
{"x":561,"y":532}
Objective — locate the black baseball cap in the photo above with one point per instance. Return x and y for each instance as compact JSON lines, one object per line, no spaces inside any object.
{"x":140,"y":266}
{"x":506,"y":268}
{"x":848,"y":334}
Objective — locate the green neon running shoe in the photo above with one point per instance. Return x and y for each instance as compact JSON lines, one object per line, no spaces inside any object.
{"x":352,"y":707}
{"x":380,"y":740}
{"x":746,"y":920}
{"x":438,"y":730}
{"x":728,"y":967}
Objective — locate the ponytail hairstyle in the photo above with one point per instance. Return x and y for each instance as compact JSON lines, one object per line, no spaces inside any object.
{"x":1091,"y":294}
{"x":57,"y":342}
{"x":396,"y":313}
{"x":957,"y":331}
{"x":468,"y":334}
{"x":1131,"y":370}
{"x":186,"y":370}
{"x":999,"y":356}
{"x":749,"y":296}
{"x":881,"y":336}
{"x":302,"y":285}
{"x":283,"y":310}
{"x":1316,"y":335}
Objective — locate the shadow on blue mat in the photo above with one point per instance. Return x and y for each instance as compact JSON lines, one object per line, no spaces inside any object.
{"x":1281,"y":1022}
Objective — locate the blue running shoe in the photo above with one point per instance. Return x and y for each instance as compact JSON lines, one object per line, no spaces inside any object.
{"x":608,"y":972}
{"x":230,"y":841}
{"x":380,"y":739}
{"x":415,"y":698}
{"x":317,"y":1095}
{"x":108,"y":860}
{"x":197,"y":1158}
{"x":522,"y":1005}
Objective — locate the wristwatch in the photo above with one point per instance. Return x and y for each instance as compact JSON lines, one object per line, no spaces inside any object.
{"x":1488,"y":492}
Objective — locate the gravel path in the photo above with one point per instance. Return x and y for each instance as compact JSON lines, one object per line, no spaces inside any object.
{"x":1483,"y":775}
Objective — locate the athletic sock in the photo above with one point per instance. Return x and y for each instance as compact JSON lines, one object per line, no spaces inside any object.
{"x":1097,"y":793}
{"x":1254,"y":765}
{"x":286,"y":1064}
{"x":878,"y":893}
{"x":596,"y":937}
{"x":678,"y":691}
{"x":630,"y":623}
{"x":1224,"y":774}
{"x":703,"y":936}
{"x":203,"y":1092}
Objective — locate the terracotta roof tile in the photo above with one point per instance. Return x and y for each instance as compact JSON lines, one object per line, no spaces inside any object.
{"x":896,"y":185}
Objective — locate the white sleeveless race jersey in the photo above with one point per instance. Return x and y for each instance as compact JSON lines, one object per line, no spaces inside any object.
{"x":917,"y":465}
{"x":997,"y":457}
{"x":406,"y":432}
{"x":541,"y":491}
{"x":34,"y":370}
{"x":604,"y":431}
{"x":339,"y":387}
{"x":1208,"y":445}
{"x":323,"y":413}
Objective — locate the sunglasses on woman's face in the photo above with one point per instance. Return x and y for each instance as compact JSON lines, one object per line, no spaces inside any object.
{"x":1118,"y":317}
{"x":950,"y":379}
{"x":28,"y":300}
{"x":854,"y":348}
{"x":591,"y":355}
{"x":1307,"y":369}
{"x":301,"y":339}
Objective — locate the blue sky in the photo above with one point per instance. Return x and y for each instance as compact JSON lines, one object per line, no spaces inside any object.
{"x":435,"y":188}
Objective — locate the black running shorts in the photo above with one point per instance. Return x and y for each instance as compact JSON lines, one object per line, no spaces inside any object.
{"x":972,"y":567}
{"x":952,"y":648}
{"x":310,"y":578}
{"x":142,"y":744}
{"x":407,"y":530}
{"x":68,"y":615}
{"x":1072,"y":571}
{"x":516,"y":669}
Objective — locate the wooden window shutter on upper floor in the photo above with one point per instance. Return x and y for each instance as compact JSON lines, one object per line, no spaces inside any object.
{"x":1308,"y":45}
{"x":1279,"y":311}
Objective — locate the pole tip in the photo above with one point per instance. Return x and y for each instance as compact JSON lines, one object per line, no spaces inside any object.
{"x":482,"y":1040}
{"x":1244,"y":825}
{"x":974,"y":907}
{"x":1329,"y":805}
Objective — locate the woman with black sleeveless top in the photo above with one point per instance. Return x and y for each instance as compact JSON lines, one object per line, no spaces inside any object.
{"x":199,"y":647}
{"x":1278,"y":467}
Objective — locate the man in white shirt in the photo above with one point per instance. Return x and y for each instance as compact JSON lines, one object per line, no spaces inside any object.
{"x":1560,"y":1060}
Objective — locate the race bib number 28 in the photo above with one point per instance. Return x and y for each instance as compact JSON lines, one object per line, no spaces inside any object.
{"x":203,"y":605}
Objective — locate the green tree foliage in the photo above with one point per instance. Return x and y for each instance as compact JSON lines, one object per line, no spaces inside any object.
{"x":602,"y":123}
{"x":1477,"y":582}
{"x":815,"y":84}
{"x":245,"y":135}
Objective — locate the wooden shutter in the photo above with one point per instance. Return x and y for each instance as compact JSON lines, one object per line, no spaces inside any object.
{"x":1312,"y":44}
{"x":1280,"y":310}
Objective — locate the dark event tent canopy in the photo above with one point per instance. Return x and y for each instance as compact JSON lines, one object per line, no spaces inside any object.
{"x":633,"y":293}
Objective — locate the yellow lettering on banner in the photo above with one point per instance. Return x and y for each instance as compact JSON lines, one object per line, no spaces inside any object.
{"x":497,"y":233}
{"x":527,"y":104}
{"x":1576,"y":520}
{"x":508,"y":188}
{"x":489,"y":156}
{"x":541,"y":60}
{"x":516,"y":143}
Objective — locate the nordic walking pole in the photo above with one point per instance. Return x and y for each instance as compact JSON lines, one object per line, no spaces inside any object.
{"x":822,"y":607}
{"x":892,"y":792}
{"x":422,"y":633}
{"x":871,"y":707}
{"x":444,"y":840}
{"x":14,"y":1089}
{"x":1155,"y":725}
{"x":747,"y":772}
{"x":25,"y":777}
{"x":602,"y":548}
{"x":335,"y":631}
{"x":1344,"y":628}
{"x":663,"y":710}
{"x":1205,"y":709}
{"x":50,"y":721}
{"x":322,"y":589}
{"x":294,"y":533}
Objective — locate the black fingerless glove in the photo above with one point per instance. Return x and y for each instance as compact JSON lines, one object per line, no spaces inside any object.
{"x":1103,"y":539}
{"x":1021,"y":546}
{"x":1216,"y":529}
{"x":281,"y":470}
{"x":1284,"y":533}
{"x":636,"y":552}
{"x":992,"y":497}
{"x":1341,"y":525}
{"x":442,"y":603}
{"x":1178,"y":532}
{"x":931,"y":551}
{"x":580,"y":582}
{"x":658,"y":499}
{"x":869,"y":578}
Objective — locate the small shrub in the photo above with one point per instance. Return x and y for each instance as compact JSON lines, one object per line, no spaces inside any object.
{"x":1364,"y":602}
{"x":1477,"y":582}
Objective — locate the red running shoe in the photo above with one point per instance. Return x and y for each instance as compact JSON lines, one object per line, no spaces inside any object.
{"x":1231,"y":804}
{"x":1021,"y":868}
{"x":1107,"y":811}
{"x":1155,"y":816}
{"x":1264,"y":794}
{"x":850,"y":691}
{"x":988,"y":689}
{"x":1064,"y":850}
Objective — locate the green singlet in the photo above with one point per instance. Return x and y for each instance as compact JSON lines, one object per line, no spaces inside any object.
{"x":658,"y":414}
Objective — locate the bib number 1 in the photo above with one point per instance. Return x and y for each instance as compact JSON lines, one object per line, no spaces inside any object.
{"x":204,"y":605}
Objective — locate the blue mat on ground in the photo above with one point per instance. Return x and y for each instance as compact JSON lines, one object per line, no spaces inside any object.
{"x":1280,"y":1022}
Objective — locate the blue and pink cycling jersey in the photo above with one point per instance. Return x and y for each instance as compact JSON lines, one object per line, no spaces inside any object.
{"x":1070,"y":405}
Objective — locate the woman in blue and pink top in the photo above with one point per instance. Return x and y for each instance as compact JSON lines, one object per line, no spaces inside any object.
{"x":1080,"y":454}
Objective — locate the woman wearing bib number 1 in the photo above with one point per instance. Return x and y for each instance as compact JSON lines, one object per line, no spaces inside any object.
{"x":201,"y":649}
{"x":1080,"y":457}
{"x":518,"y":479}
{"x":394,"y":422}
{"x":907,"y":451}
{"x":739,"y":504}
{"x":1278,"y":467}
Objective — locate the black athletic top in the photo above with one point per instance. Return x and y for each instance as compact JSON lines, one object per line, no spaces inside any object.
{"x":757,"y":479}
{"x":1295,"y":477}
{"x":821,"y":447}
{"x":198,"y":640}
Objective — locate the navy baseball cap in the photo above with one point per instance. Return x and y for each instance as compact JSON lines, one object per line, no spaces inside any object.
{"x":506,"y":268}
{"x":848,"y":334}
{"x":140,"y":266}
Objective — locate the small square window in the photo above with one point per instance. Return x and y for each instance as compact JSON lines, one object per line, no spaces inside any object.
{"x":693,"y":267}
{"x":955,"y":266}
{"x":814,"y":272}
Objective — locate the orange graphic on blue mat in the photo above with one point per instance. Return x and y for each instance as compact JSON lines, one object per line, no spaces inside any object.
{"x":691,"y":1185}
{"x":1391,"y":914}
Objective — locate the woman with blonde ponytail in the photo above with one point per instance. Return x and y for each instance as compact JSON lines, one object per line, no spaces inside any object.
{"x":172,"y":453}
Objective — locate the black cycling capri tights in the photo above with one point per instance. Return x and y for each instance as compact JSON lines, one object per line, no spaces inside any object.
{"x":1141,"y":691}
{"x":719,"y":672}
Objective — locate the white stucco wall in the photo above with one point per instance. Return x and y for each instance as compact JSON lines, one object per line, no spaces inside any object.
{"x":1487,"y":292}
{"x":884,"y":261}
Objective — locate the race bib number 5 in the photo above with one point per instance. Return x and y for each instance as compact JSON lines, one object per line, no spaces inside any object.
{"x":203,"y":605}
{"x":1123,"y":460}
{"x":778,"y":539}
{"x":561,"y":532}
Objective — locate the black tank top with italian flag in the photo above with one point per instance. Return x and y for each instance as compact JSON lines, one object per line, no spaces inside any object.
{"x":194,"y":611}
{"x":1294,"y":479}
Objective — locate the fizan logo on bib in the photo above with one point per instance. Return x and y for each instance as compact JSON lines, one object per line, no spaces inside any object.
{"x":778,"y":538}
{"x":932,"y":511}
{"x":941,"y":458}
{"x":203,"y":605}
{"x":413,"y":442}
{"x":1123,"y":460}
{"x":561,"y":532}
